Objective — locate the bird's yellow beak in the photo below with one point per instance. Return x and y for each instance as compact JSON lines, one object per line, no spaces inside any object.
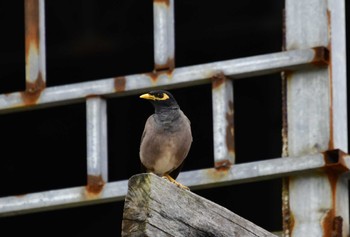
{"x":148,"y":96}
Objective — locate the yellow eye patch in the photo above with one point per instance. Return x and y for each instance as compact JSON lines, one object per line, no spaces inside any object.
{"x":148,"y":96}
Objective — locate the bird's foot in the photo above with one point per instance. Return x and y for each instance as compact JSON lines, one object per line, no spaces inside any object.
{"x":168,"y":177}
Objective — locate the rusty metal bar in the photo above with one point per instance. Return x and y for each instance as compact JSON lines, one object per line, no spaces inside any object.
{"x":339,"y":119}
{"x":313,"y":201}
{"x":96,"y":124}
{"x":223,"y":129}
{"x":59,"y":199}
{"x":163,"y":24}
{"x":179,"y":77}
{"x":262,"y":170}
{"x":196,"y":179}
{"x":336,"y":15}
{"x":35,"y":48}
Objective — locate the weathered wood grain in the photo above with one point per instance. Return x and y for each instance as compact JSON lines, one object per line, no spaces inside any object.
{"x":156,"y":207}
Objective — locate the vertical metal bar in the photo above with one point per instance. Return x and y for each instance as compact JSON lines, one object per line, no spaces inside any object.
{"x":35,"y":45}
{"x":336,"y":15}
{"x":223,"y":129}
{"x":163,"y":23}
{"x":96,"y":121}
{"x":338,"y":80}
{"x":317,"y":201}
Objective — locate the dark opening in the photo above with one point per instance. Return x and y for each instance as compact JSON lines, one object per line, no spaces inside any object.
{"x":43,"y":150}
{"x":89,"y":39}
{"x":12,"y":60}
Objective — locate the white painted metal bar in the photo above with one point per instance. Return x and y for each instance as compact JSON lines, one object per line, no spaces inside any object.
{"x":96,"y":124}
{"x":336,"y":11}
{"x":339,"y":119}
{"x":179,"y":77}
{"x":163,"y":25}
{"x":35,"y":45}
{"x":58,"y":199}
{"x":316,"y":201}
{"x":197,"y":179}
{"x":259,"y":171}
{"x":223,"y":127}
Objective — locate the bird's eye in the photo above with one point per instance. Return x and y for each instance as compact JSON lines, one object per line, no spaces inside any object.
{"x":160,"y":95}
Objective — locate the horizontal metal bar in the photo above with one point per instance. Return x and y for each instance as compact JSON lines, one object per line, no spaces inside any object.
{"x":59,"y":199}
{"x":179,"y":77}
{"x":256,"y":171}
{"x":198,"y":179}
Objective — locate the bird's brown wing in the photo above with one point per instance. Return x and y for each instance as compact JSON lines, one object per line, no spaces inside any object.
{"x":176,"y":172}
{"x":144,"y":134}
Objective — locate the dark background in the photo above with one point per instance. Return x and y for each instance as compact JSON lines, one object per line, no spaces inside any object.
{"x":89,"y":40}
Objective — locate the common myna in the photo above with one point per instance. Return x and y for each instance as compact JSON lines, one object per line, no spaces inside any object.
{"x":166,"y":138}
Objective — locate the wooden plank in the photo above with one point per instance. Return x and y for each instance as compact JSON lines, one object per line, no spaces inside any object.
{"x":156,"y":207}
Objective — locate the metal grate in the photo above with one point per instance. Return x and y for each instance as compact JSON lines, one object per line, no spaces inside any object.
{"x":314,"y":66}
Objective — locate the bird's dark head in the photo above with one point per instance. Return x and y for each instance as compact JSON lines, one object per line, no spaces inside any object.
{"x":161,"y":100}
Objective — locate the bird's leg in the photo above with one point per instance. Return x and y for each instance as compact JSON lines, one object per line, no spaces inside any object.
{"x":168,"y":177}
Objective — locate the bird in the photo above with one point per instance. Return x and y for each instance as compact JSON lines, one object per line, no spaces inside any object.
{"x":166,"y":138}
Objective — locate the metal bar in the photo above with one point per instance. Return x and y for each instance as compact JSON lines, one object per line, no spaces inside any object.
{"x":35,"y":48}
{"x":59,"y":199}
{"x":339,"y":119}
{"x":197,"y":179}
{"x":338,"y":72}
{"x":223,"y":129}
{"x":163,"y":21}
{"x":179,"y":77}
{"x":96,"y":124}
{"x":315,"y":201}
{"x":260,"y":170}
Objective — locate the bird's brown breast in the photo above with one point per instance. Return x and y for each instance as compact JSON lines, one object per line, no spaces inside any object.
{"x":162,"y":149}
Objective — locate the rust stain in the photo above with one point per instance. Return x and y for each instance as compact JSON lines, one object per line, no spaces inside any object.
{"x":331,"y":121}
{"x":166,"y":2}
{"x":284,"y":132}
{"x":95,"y":185}
{"x":322,"y":56}
{"x":168,"y":66}
{"x":230,"y":143}
{"x":217,"y":80}
{"x":335,"y":166}
{"x":220,"y":172}
{"x":222,"y":165}
{"x":329,"y":24}
{"x":154,"y":75}
{"x":332,"y":225}
{"x":327,"y":223}
{"x":119,"y":84}
{"x":33,"y":90}
{"x":337,"y":226}
{"x":31,"y":25}
{"x":288,"y":220}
